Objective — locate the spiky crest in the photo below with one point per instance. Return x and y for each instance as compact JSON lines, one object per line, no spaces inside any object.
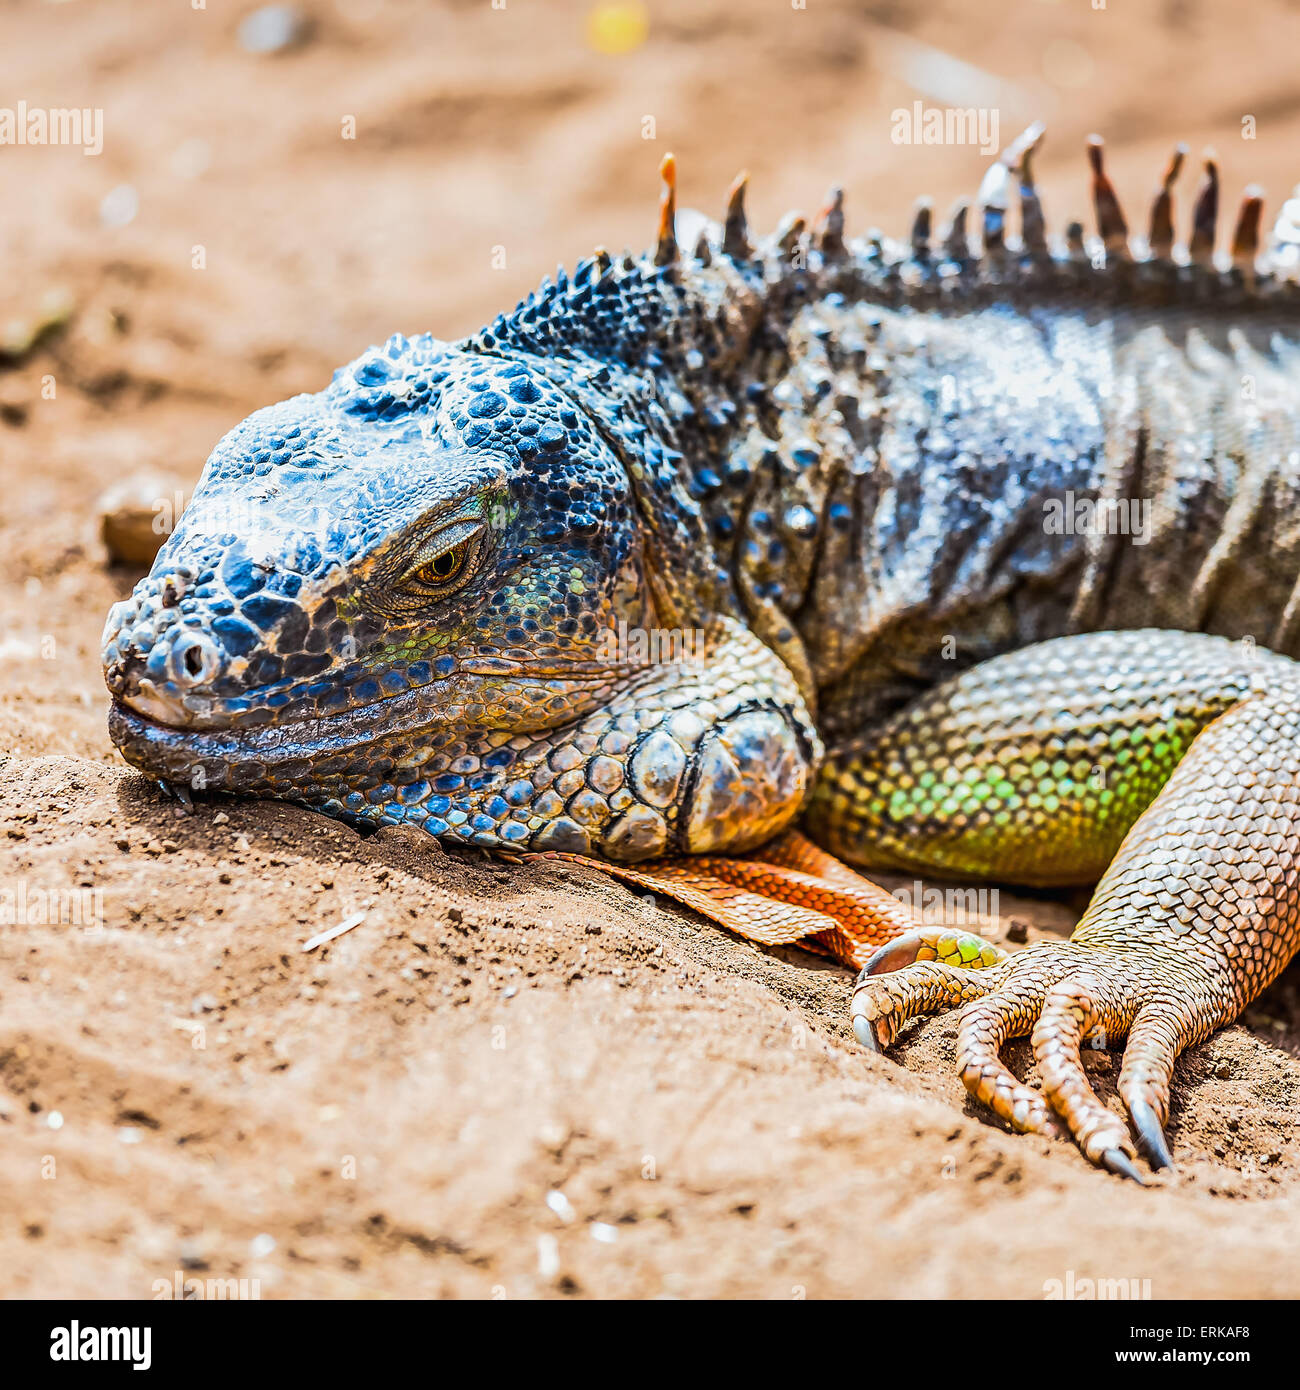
{"x":614,"y":309}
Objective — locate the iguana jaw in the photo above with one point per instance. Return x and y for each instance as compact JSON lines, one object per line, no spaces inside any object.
{"x":249,"y":759}
{"x":693,"y":756}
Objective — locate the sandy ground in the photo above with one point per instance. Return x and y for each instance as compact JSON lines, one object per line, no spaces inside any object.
{"x":506,"y":1081}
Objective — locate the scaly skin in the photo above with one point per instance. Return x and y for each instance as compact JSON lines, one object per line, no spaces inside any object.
{"x":1186,"y":750}
{"x":437,"y":593}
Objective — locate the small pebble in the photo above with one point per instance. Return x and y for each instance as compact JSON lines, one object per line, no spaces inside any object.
{"x":134,"y":516}
{"x":119,"y":206}
{"x":273,"y":29}
{"x":191,"y":159}
{"x":560,"y":1205}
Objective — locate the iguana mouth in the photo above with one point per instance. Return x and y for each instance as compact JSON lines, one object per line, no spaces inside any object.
{"x":263,"y":757}
{"x":247,"y":715}
{"x":260,"y":756}
{"x":277,"y":737}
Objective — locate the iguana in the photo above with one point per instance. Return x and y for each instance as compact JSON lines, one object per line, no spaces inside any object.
{"x":978,"y":553}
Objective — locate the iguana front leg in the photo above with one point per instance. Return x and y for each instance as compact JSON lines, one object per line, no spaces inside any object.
{"x":1180,"y":753}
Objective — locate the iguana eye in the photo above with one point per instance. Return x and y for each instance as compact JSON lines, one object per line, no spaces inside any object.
{"x":445,"y":567}
{"x":444,"y":562}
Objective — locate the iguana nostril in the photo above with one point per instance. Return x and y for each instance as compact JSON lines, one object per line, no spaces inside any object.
{"x":194,"y":659}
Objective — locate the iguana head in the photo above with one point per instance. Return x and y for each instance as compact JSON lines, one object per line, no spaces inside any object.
{"x":459,"y":588}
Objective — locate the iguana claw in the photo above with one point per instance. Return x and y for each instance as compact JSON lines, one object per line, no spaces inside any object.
{"x":1120,"y":1163}
{"x":1150,"y":1134}
{"x":865,"y":1032}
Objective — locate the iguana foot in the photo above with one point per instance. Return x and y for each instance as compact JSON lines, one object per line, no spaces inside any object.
{"x":1063,"y":995}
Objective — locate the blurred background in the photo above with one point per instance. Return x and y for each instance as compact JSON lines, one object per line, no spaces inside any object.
{"x":279,"y":187}
{"x":264,"y":191}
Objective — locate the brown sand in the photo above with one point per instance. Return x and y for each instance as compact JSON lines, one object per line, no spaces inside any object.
{"x":393,"y":1109}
